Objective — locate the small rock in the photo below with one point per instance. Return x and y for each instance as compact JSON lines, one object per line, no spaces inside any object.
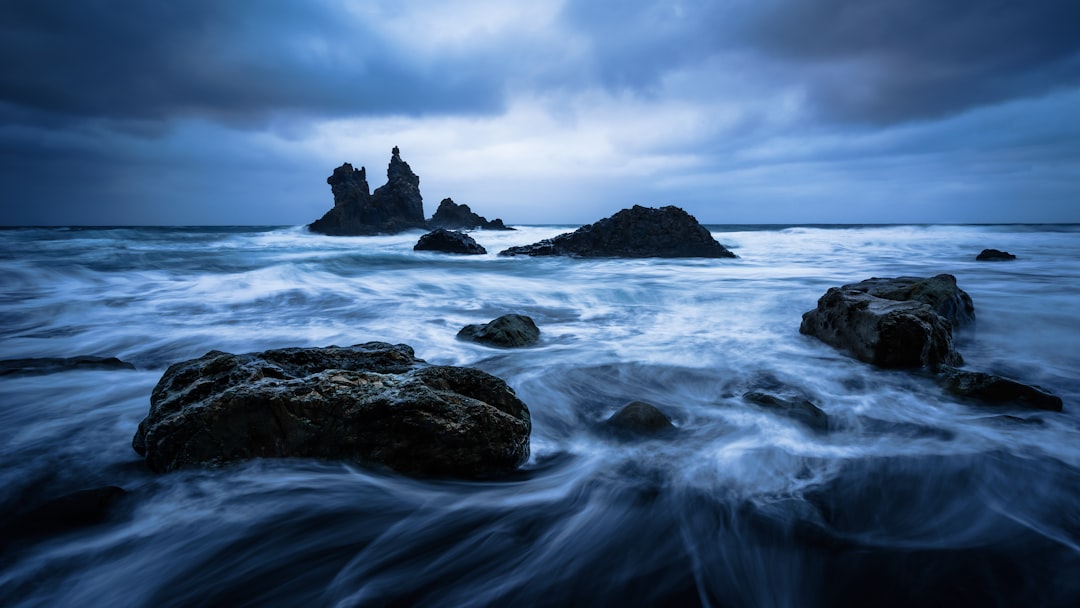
{"x":993,"y":255}
{"x":507,"y":331}
{"x":799,"y":410}
{"x":989,"y":389}
{"x":449,"y":241}
{"x":50,"y":365}
{"x":639,"y":418}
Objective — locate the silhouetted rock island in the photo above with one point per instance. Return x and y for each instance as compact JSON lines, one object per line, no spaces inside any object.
{"x":639,"y":232}
{"x":460,"y":217}
{"x":369,"y":403}
{"x":449,"y":241}
{"x":393,"y":207}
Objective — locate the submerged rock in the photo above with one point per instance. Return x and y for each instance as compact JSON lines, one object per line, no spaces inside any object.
{"x":507,"y":331}
{"x":51,"y":365}
{"x":989,"y":389}
{"x":449,"y":241}
{"x":884,"y":332}
{"x":639,"y":419}
{"x":454,"y":216}
{"x":799,"y":410}
{"x":369,"y":403}
{"x":393,"y":207}
{"x":639,"y":232}
{"x":993,"y":255}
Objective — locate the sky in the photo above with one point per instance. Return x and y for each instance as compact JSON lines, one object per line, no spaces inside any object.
{"x":219,"y":112}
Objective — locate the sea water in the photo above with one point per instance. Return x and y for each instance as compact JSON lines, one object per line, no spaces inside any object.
{"x":911,"y":498}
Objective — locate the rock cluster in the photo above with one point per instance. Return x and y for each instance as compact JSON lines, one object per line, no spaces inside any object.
{"x":449,"y":241}
{"x":460,"y":217}
{"x":393,"y":207}
{"x":639,"y":232}
{"x":370,"y":403}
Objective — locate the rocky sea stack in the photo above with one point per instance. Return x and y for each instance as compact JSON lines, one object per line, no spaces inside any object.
{"x":392,"y":208}
{"x":639,"y":232}
{"x":373,"y":403}
{"x":453,"y":216}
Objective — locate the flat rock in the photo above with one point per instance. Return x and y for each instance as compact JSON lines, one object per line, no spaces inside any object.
{"x":392,"y":208}
{"x":508,"y":331}
{"x":989,"y":389}
{"x":885,"y":332}
{"x":639,"y":232}
{"x":372,"y":403}
{"x":994,"y":255}
{"x":449,"y":241}
{"x":639,"y":419}
{"x":799,"y":410}
{"x":50,"y":365}
{"x":460,"y":217}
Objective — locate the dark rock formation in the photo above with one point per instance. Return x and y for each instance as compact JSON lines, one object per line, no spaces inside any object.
{"x":993,"y":255}
{"x":939,"y":292}
{"x":989,"y":389}
{"x":68,"y":512}
{"x":370,"y":403}
{"x":507,"y":331}
{"x":448,"y":241}
{"x":640,"y":232}
{"x":799,"y":410}
{"x":459,"y":217}
{"x":637,"y":419}
{"x":50,"y":365}
{"x":393,"y":207}
{"x":885,"y":332}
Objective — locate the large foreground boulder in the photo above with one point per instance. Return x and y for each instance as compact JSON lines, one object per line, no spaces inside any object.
{"x":881,"y":331}
{"x":460,"y":217}
{"x":639,"y":232}
{"x":392,"y":208}
{"x":508,"y":331}
{"x":449,"y":241}
{"x":939,"y":292}
{"x":369,"y":403}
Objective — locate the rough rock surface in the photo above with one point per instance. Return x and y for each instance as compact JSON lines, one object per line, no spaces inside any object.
{"x":939,"y":292}
{"x":994,"y":255}
{"x":369,"y":403}
{"x":639,"y":232}
{"x":507,"y":331}
{"x":49,"y":365}
{"x":638,"y":419}
{"x":995,"y":390}
{"x":393,"y":207}
{"x":459,"y":217}
{"x":449,"y":241}
{"x":884,"y":332}
{"x":799,"y":410}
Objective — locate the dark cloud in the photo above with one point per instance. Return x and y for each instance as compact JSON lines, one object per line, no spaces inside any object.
{"x":873,"y":61}
{"x":235,"y":62}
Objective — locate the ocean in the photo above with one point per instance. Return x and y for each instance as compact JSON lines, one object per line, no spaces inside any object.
{"x":912,"y":498}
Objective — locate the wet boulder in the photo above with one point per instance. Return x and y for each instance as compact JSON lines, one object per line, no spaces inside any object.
{"x":638,"y":419}
{"x":508,"y":331}
{"x":988,"y":389}
{"x":994,"y":255}
{"x":939,"y":293}
{"x":882,"y":331}
{"x":372,"y":403}
{"x":639,"y":232}
{"x":449,"y":241}
{"x":799,"y":410}
{"x":453,"y":216}
{"x":392,"y":208}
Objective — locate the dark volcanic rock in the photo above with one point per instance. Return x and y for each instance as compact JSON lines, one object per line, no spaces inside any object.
{"x":370,"y":403}
{"x":885,"y":332}
{"x":993,"y":255}
{"x":639,"y":418}
{"x":507,"y":331}
{"x":640,"y":232}
{"x":448,"y":241}
{"x":939,"y":292}
{"x":68,"y":512}
{"x":799,"y":410}
{"x":393,"y":207}
{"x":995,"y":390}
{"x":454,"y":216}
{"x":49,"y":365}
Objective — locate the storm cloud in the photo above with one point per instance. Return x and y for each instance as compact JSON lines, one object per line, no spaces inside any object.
{"x":770,"y":110}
